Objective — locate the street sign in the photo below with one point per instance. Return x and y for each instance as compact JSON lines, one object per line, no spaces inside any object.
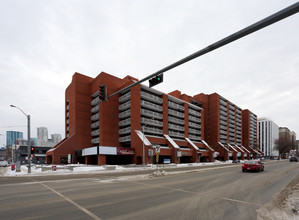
{"x":157,"y":149}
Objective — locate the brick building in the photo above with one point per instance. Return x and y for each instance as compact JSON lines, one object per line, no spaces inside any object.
{"x":112,"y":132}
{"x":249,"y":133}
{"x":224,"y":127}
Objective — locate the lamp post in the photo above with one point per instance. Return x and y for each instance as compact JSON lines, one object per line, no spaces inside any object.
{"x":28,"y":133}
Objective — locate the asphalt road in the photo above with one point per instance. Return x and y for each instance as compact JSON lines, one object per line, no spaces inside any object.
{"x":205,"y":193}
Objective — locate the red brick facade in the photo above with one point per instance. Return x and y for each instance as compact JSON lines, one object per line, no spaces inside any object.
{"x":96,"y":131}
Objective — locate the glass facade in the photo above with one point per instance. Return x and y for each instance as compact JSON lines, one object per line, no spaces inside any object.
{"x":11,"y":137}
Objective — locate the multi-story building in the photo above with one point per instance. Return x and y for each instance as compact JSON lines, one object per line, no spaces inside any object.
{"x":55,"y":138}
{"x":223,"y":126}
{"x":268,"y":132}
{"x":12,"y":136}
{"x":42,"y":136}
{"x":38,"y":154}
{"x":249,"y":133}
{"x":129,"y":126}
{"x":293,"y":138}
{"x":284,"y":134}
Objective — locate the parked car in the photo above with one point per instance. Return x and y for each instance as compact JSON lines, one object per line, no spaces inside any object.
{"x":253,"y":165}
{"x":294,"y":159}
{"x":236,"y":161}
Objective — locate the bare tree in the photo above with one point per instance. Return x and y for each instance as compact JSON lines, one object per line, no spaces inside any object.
{"x":283,"y":146}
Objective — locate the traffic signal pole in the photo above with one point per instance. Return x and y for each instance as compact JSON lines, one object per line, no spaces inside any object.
{"x":293,"y":9}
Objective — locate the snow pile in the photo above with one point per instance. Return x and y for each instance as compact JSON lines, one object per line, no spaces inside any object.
{"x":285,"y":206}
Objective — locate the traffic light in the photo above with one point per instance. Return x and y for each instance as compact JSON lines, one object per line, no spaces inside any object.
{"x":102,"y":93}
{"x":156,"y":80}
{"x":32,"y":151}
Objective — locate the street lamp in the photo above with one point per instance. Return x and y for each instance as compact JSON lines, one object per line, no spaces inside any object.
{"x":28,"y":133}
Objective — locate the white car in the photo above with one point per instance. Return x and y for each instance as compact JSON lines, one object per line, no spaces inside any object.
{"x":3,"y":163}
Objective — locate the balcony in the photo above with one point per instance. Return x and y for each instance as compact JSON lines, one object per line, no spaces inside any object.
{"x":67,"y":114}
{"x":194,"y":137}
{"x":223,"y":103}
{"x":125,"y":106}
{"x":151,"y":114}
{"x":125,"y":97}
{"x":95,"y":117}
{"x":95,"y":125}
{"x":193,"y":112}
{"x":95,"y":102}
{"x":224,"y":118}
{"x":231,"y":126}
{"x":224,"y":137}
{"x":224,"y":123}
{"x":223,"y":113}
{"x":153,"y":130}
{"x":125,"y":139}
{"x":194,"y":125}
{"x":68,"y":107}
{"x":152,"y":122}
{"x":151,"y":106}
{"x":223,"y":132}
{"x":95,"y":109}
{"x":194,"y":131}
{"x":195,"y":119}
{"x":126,"y":130}
{"x":67,"y":121}
{"x":95,"y":140}
{"x":176,"y":120}
{"x":223,"y":127}
{"x":232,"y":131}
{"x":175,"y":113}
{"x":232,"y":117}
{"x":125,"y":122}
{"x":125,"y":114}
{"x":176,"y":127}
{"x":176,"y":134}
{"x":175,"y":106}
{"x":150,"y":97}
{"x":222,"y":108}
{"x":95,"y":133}
{"x":231,"y":107}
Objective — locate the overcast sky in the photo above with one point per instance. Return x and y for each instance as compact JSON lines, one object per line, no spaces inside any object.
{"x":43,"y":43}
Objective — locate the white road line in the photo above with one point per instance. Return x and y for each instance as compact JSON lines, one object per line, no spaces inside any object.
{"x":72,"y":202}
{"x":240,"y":201}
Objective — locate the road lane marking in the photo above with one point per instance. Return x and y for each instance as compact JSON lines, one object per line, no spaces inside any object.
{"x":72,"y":202}
{"x":240,"y":201}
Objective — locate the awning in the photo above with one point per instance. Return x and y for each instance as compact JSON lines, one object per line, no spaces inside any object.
{"x":223,"y":146}
{"x":239,"y":148}
{"x":232,"y":148}
{"x":256,"y":151}
{"x":171,"y":141}
{"x":205,"y":143}
{"x":191,"y":143}
{"x":245,"y":149}
{"x":143,"y":138}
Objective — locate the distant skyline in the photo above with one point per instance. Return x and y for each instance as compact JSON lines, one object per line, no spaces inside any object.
{"x":43,"y":43}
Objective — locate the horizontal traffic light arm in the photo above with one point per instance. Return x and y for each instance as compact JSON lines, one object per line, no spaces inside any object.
{"x":282,"y":14}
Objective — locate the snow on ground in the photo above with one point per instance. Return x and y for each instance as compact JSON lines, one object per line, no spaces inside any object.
{"x":38,"y":170}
